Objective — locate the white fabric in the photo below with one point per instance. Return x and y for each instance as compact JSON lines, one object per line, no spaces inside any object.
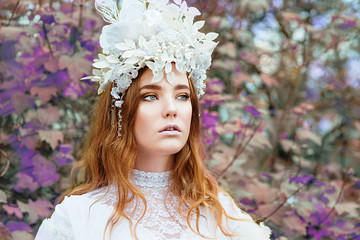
{"x":79,"y":217}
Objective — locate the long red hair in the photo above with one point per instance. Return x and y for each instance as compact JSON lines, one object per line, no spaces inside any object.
{"x":108,"y":159}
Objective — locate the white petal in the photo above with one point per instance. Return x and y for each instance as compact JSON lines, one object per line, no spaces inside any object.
{"x":194,"y":11}
{"x":130,"y":42}
{"x":109,"y":10}
{"x":150,"y":65}
{"x":97,"y":72}
{"x":168,"y":67}
{"x":102,"y":87}
{"x":128,"y":54}
{"x":132,"y":60}
{"x":158,"y":77}
{"x":122,"y":46}
{"x":131,"y":10}
{"x":211,"y":36}
{"x":87,"y":77}
{"x":112,"y":59}
{"x":107,"y":76}
{"x":96,"y":79}
{"x":142,"y":42}
{"x":101,"y":64}
{"x":170,"y":77}
{"x":102,"y":57}
{"x":119,"y":103}
{"x":199,"y":24}
{"x":164,"y":56}
{"x":183,"y":6}
{"x":180,"y":66}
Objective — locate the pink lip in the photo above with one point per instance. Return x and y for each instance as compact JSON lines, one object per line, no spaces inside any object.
{"x":166,"y":131}
{"x":170,"y":133}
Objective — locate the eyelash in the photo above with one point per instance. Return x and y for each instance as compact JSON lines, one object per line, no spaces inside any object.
{"x":184,"y":97}
{"x":187,"y":96}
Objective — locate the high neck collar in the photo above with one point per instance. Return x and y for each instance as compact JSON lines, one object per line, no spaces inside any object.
{"x":151,"y":179}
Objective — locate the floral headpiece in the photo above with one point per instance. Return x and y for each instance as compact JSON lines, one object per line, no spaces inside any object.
{"x":152,"y":33}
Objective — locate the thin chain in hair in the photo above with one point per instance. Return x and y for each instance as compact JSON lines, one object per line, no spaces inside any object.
{"x":119,"y":122}
{"x":119,"y":115}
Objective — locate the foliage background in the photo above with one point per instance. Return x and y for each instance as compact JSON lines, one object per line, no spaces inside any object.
{"x":281,"y":114}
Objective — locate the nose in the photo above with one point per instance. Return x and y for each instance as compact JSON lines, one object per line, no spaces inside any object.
{"x":170,"y":109}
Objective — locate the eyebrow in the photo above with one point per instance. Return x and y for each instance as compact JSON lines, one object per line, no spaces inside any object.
{"x":157,"y":87}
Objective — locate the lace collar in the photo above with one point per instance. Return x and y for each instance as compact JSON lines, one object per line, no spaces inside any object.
{"x":151,"y":179}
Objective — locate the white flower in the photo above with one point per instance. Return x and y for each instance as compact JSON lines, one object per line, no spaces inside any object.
{"x":116,"y":33}
{"x":119,"y":103}
{"x":152,"y":33}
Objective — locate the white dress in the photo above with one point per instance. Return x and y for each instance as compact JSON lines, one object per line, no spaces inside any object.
{"x":79,"y":217}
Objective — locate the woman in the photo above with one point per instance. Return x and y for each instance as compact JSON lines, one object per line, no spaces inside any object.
{"x":144,"y":174}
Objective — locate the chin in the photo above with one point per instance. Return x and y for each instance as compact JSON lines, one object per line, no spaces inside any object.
{"x":170,"y":149}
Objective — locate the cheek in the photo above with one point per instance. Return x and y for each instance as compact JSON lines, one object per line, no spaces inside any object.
{"x":143,"y":119}
{"x":188,"y":116}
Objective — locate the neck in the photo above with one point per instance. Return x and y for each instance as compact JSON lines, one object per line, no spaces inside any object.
{"x":153,"y":162}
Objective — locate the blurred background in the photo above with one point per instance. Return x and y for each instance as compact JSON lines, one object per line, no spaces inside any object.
{"x":281,"y":111}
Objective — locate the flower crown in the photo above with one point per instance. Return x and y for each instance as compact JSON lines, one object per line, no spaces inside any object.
{"x":152,"y":33}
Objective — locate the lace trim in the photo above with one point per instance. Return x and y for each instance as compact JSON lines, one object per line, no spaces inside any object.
{"x":163,"y":220}
{"x":151,"y":179}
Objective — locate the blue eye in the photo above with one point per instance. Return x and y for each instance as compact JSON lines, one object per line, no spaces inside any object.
{"x":184,"y":97}
{"x":150,"y":97}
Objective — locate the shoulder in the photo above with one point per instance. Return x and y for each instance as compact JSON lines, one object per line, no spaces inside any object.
{"x":230,"y":206}
{"x":72,"y":204}
{"x":59,"y":225}
{"x":66,"y":218}
{"x":244,"y":226}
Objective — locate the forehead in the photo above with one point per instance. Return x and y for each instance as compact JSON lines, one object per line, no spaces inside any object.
{"x":180,"y":78}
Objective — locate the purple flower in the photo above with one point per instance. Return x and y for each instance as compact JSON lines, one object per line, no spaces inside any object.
{"x":17,"y":226}
{"x":26,"y":156}
{"x":74,"y":90}
{"x":7,"y":50}
{"x":47,"y":19}
{"x":59,"y":80}
{"x":25,"y":182}
{"x":284,"y":136}
{"x":88,"y":45}
{"x":214,"y":85}
{"x":247,"y":201}
{"x":252,"y":111}
{"x":319,"y":233}
{"x":64,"y":156}
{"x":266,"y":175}
{"x":324,"y":199}
{"x":209,"y":119}
{"x":348,"y":23}
{"x":304,"y":179}
{"x":67,"y":8}
{"x":318,"y":183}
{"x":331,"y":189}
{"x":33,"y":125}
{"x":6,"y":109}
{"x":357,"y":184}
{"x":44,"y":171}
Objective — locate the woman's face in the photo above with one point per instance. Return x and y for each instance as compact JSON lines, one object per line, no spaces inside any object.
{"x":163,"y":116}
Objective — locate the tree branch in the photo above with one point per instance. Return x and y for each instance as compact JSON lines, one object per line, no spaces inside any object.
{"x":238,"y":151}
